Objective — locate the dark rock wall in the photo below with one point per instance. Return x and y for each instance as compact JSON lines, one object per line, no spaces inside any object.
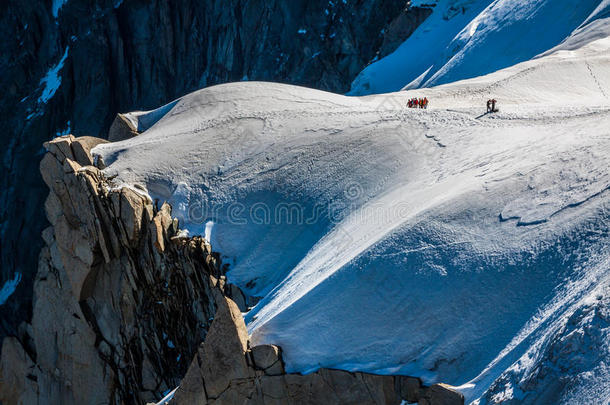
{"x":139,"y":54}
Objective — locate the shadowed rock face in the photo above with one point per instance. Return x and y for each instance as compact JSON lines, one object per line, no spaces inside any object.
{"x":226,"y":370}
{"x":113,"y":56}
{"x":121,"y":299}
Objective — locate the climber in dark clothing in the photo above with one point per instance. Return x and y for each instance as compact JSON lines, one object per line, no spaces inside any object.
{"x":491,"y":106}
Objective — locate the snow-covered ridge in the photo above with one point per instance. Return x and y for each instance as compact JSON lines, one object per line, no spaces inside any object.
{"x":443,"y":243}
{"x":467,"y":38}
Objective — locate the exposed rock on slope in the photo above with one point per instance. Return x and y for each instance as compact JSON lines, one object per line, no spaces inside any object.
{"x":226,"y":370}
{"x":121,"y":300}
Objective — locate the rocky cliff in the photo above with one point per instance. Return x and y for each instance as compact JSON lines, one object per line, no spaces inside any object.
{"x":70,"y":66}
{"x":121,"y":298}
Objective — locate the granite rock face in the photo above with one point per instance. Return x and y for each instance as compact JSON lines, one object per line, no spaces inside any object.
{"x":226,"y":370}
{"x":72,"y":66}
{"x":120,"y":302}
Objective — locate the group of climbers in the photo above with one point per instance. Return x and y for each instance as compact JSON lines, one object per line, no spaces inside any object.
{"x":418,"y":103}
{"x":423,"y":103}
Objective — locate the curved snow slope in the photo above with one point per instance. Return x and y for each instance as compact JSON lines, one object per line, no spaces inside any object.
{"x":142,"y":120}
{"x":460,"y":247}
{"x":468,"y":38}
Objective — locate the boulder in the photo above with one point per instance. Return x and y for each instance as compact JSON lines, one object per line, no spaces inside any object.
{"x":121,"y":129}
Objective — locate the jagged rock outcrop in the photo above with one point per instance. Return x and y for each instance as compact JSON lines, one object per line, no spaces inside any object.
{"x":113,"y":56}
{"x":121,"y":299}
{"x":226,"y":370}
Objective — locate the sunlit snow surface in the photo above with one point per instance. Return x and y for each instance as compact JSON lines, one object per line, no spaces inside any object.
{"x":443,"y":243}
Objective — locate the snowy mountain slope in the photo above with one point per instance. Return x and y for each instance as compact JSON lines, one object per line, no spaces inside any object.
{"x":476,"y":37}
{"x":444,"y":243}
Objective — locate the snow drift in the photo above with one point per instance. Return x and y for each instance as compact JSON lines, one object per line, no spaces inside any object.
{"x":444,"y":243}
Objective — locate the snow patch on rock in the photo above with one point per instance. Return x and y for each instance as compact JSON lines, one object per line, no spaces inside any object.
{"x":52,"y":80}
{"x":9,"y":288}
